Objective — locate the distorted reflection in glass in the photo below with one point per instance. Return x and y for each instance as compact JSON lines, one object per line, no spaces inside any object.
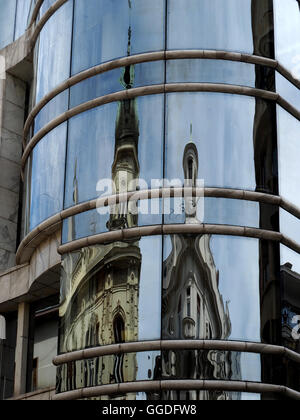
{"x":287,"y":34}
{"x":47,"y":176}
{"x":100,"y":25}
{"x":139,"y":123}
{"x":54,"y":50}
{"x":289,"y":156}
{"x":7,"y":22}
{"x":289,"y":225}
{"x":212,"y":24}
{"x":57,"y":106}
{"x":206,"y":294}
{"x":115,"y":285}
{"x":225,"y":146}
{"x":210,"y":71}
{"x":105,"y":370}
{"x":22,"y":17}
{"x":290,"y":285}
{"x":218,"y":211}
{"x":108,"y":82}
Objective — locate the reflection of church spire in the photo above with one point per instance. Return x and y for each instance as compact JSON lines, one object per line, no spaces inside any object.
{"x":71,"y":221}
{"x":125,"y":168}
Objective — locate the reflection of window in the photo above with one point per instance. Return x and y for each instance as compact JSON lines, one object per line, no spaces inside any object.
{"x":119,"y":329}
{"x":188,"y":302}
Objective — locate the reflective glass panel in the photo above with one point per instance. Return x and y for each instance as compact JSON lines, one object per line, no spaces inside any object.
{"x":230,"y":138}
{"x":128,"y":367}
{"x":22,"y":17}
{"x":290,"y":226}
{"x":290,"y":286}
{"x":211,"y":365}
{"x":91,"y":222}
{"x":289,"y":156}
{"x":47,"y":176}
{"x":143,"y":74}
{"x":288,"y":91}
{"x":210,"y":71}
{"x":287,"y":34}
{"x":108,"y":29}
{"x":111,"y":294}
{"x":53,"y":109}
{"x":234,"y":25}
{"x":54,"y":50}
{"x":7,"y":22}
{"x":119,"y":142}
{"x":207,"y":295}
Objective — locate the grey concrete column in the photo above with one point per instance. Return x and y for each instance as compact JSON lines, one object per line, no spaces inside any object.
{"x":12,"y":103}
{"x":21,"y":349}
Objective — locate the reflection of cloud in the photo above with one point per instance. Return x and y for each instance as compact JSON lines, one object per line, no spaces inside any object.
{"x":150,"y":289}
{"x":220,"y":140}
{"x":287,"y":34}
{"x":237,"y":260}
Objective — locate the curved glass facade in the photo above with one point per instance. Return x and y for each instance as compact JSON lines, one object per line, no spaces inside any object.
{"x":213,"y":121}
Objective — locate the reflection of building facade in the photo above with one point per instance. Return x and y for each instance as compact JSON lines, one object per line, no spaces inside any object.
{"x":193,"y":307}
{"x":102,"y":282}
{"x":65,"y":119}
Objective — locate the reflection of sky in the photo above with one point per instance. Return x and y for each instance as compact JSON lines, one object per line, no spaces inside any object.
{"x":237,"y":260}
{"x":146,"y":362}
{"x":217,"y":24}
{"x":47,"y":177}
{"x":289,"y":156}
{"x":101,"y":28}
{"x":108,"y":82}
{"x":210,"y":71}
{"x":21,"y":16}
{"x":250,"y":367}
{"x":287,"y":34}
{"x":54,"y":50}
{"x":222,"y":132}
{"x":289,"y":225}
{"x":287,"y":90}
